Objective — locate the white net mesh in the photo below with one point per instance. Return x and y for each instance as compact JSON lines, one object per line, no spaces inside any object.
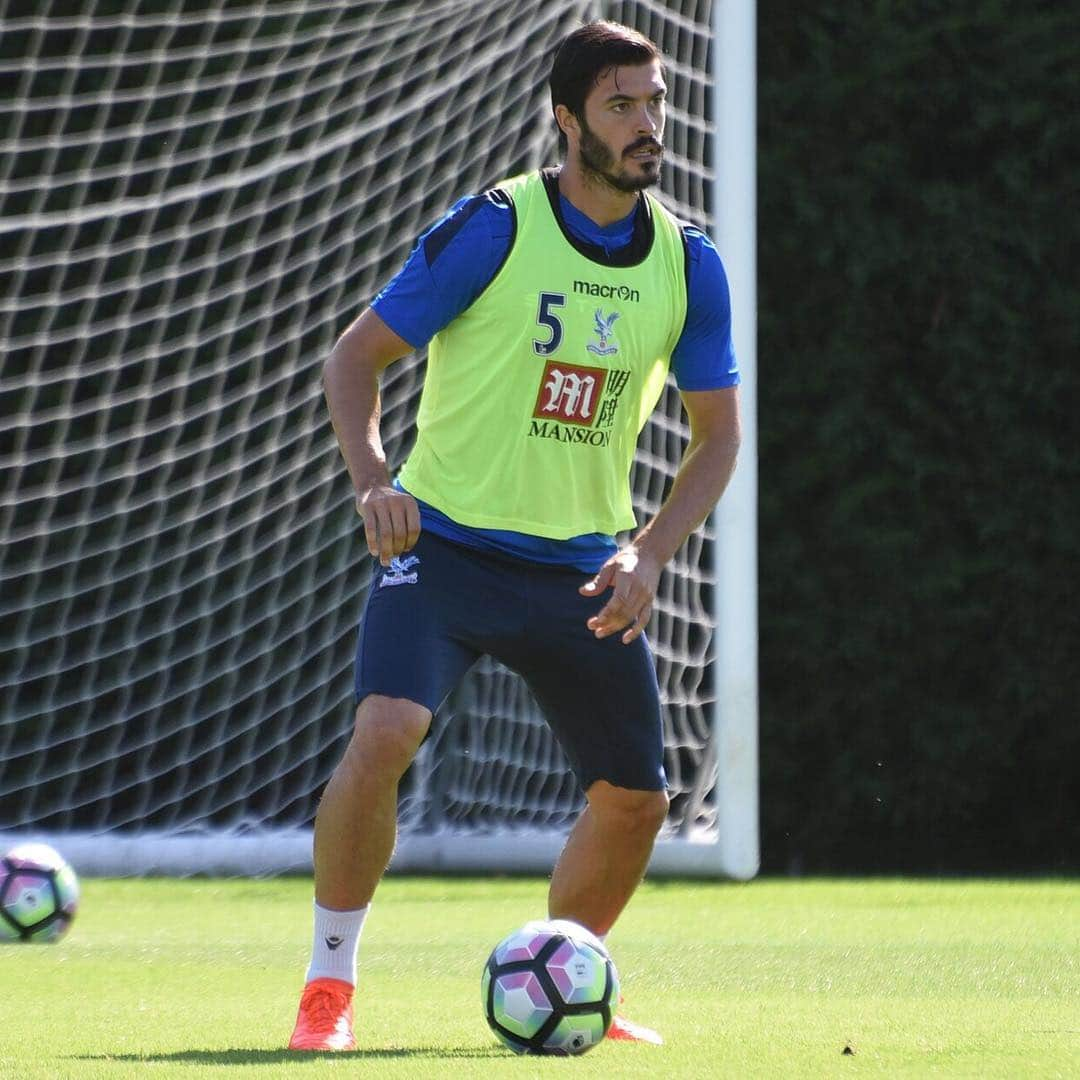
{"x":197,"y":196}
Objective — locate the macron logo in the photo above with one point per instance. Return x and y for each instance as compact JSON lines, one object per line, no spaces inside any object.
{"x":333,"y":942}
{"x":608,"y":292}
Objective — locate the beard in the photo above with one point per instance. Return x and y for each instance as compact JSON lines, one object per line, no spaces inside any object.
{"x":598,"y":161}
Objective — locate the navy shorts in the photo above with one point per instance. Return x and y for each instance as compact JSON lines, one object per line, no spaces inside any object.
{"x":439,"y":607}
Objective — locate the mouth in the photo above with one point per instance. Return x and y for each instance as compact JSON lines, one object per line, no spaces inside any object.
{"x":651,"y":152}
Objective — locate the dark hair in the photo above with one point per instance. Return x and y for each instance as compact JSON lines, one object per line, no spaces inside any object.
{"x":586,"y":54}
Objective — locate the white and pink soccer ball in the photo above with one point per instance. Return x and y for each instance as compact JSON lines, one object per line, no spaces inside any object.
{"x":550,"y":988}
{"x":39,"y":894}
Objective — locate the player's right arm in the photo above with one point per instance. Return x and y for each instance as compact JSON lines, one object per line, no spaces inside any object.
{"x":448,"y":268}
{"x":351,"y":384}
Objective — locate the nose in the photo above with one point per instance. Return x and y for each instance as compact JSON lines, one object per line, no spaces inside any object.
{"x":646,"y":121}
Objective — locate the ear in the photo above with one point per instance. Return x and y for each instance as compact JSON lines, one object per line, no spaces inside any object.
{"x":567,"y":121}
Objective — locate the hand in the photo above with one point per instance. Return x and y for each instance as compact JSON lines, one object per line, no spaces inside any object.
{"x":634,"y":576}
{"x":391,"y":521}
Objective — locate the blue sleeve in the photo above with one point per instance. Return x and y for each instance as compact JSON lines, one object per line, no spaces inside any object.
{"x":704,"y":356}
{"x":452,"y":263}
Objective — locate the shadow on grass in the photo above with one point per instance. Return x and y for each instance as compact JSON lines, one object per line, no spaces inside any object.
{"x":275,"y":1057}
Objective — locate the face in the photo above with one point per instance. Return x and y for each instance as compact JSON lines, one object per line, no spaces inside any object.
{"x":620,"y":134}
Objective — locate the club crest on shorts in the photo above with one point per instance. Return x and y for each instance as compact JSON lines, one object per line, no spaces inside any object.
{"x":400,"y":571}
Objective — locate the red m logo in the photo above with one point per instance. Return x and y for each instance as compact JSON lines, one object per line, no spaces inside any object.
{"x":569,"y":393}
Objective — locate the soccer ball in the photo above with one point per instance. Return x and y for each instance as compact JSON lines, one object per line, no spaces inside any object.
{"x":39,"y":893}
{"x":550,"y":988}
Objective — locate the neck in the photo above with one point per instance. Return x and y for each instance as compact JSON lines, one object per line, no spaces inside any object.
{"x":592,"y":195}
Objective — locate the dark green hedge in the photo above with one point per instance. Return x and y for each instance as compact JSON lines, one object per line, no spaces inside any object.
{"x":919,"y":338}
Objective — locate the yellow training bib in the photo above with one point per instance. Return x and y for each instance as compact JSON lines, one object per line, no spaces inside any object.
{"x":535,"y":395}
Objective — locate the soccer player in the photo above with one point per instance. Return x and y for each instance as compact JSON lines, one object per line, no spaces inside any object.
{"x":552,"y":307}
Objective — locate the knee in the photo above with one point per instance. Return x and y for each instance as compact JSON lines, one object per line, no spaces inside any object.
{"x":640,"y":812}
{"x":389,"y":731}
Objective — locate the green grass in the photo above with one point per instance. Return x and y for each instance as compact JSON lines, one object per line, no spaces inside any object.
{"x":200,"y":978}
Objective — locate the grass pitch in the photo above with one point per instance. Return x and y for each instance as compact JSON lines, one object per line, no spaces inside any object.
{"x":780,"y":978}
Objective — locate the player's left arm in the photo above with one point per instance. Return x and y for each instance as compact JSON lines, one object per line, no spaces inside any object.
{"x":707,"y":374}
{"x":706,"y":467}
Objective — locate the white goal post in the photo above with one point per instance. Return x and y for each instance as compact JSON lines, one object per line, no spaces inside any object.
{"x":196,"y":196}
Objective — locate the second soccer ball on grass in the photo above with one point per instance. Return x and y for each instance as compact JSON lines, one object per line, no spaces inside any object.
{"x":39,"y":894}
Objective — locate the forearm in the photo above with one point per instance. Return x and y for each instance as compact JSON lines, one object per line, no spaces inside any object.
{"x":635,"y":570}
{"x":699,"y":483}
{"x":351,"y":384}
{"x":352,"y":397}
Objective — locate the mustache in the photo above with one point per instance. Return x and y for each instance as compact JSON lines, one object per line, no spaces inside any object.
{"x":645,"y":143}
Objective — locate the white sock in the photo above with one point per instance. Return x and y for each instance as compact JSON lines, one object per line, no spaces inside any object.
{"x":336,"y":943}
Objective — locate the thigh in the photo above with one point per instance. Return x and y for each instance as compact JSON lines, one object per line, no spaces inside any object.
{"x":600,"y":697}
{"x":408,"y":645}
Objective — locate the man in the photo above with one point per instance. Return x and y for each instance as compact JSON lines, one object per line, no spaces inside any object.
{"x":553,"y":306}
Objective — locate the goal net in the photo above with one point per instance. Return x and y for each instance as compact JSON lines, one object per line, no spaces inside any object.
{"x":197,"y":197}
